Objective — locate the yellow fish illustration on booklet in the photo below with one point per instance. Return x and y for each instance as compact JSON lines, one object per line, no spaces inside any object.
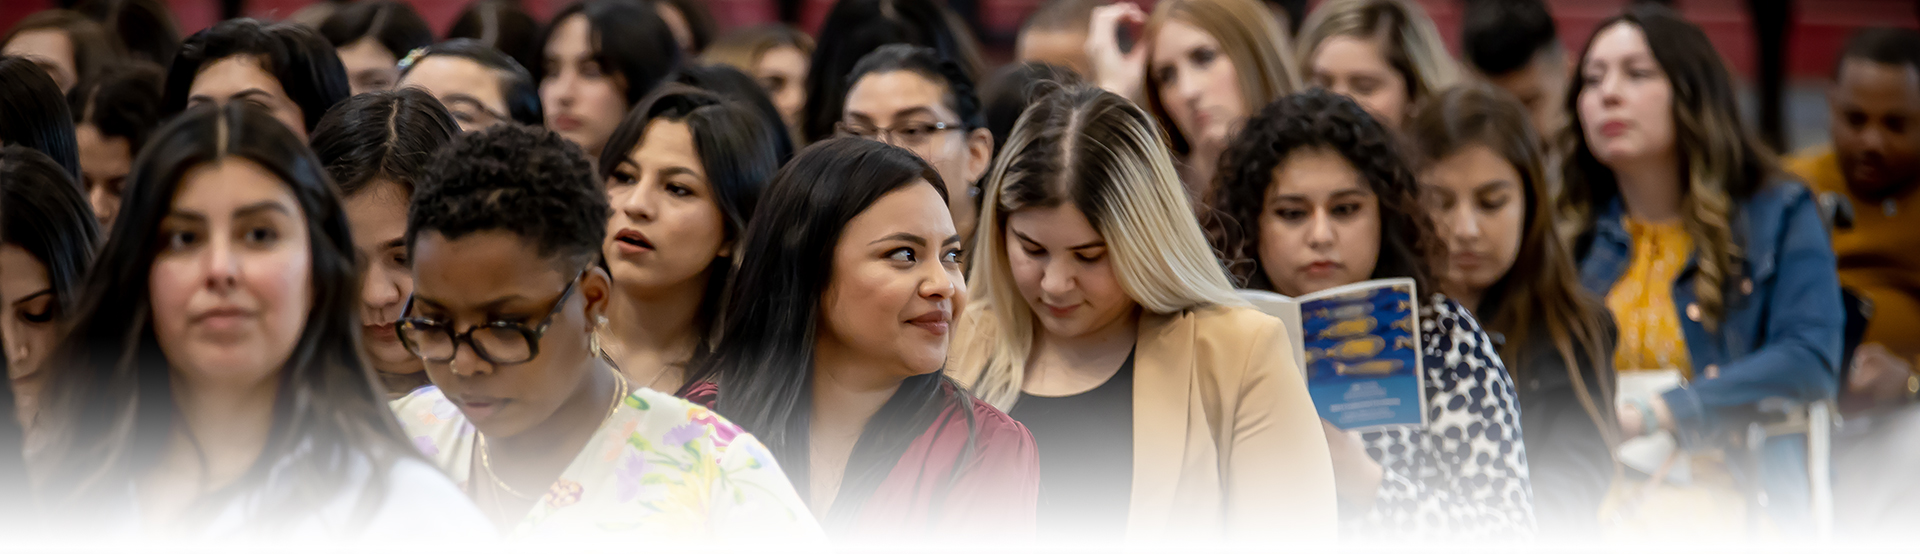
{"x":1374,"y":367}
{"x":1363,"y":348}
{"x":1349,"y":328}
{"x":1344,"y":312}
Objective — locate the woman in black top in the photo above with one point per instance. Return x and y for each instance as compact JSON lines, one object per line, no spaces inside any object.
{"x":1483,"y":173}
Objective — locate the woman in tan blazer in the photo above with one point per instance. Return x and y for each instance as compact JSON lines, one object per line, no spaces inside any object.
{"x":1163,"y":407}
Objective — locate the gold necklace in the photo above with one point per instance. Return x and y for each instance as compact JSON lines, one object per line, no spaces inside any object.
{"x":620,"y":391}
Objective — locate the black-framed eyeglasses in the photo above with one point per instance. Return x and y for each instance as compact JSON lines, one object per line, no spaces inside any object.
{"x":497,"y":342}
{"x":910,"y":134}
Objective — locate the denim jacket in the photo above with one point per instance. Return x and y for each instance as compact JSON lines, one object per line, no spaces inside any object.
{"x":1780,"y":336}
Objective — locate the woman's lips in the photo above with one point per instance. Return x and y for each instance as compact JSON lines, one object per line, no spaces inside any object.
{"x":936,"y":322}
{"x":221,"y":320}
{"x":1613,"y":129}
{"x":1320,"y":269}
{"x":630,"y":242}
{"x":1061,"y":311}
{"x":566,"y":123}
{"x":480,"y":408}
{"x":384,"y":332}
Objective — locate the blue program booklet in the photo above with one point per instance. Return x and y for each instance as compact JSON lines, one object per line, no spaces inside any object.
{"x":1359,"y":347}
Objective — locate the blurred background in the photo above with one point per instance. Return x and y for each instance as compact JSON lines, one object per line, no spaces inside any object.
{"x":1814,"y":34}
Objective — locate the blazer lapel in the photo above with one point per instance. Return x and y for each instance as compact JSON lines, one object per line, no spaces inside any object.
{"x":1162,"y":393}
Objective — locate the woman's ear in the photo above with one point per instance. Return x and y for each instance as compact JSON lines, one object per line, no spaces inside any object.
{"x":597,"y":288}
{"x":979,"y":154}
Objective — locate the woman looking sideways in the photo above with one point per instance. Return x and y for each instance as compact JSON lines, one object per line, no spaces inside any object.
{"x":833,"y":349}
{"x":376,"y":147}
{"x":689,"y":169}
{"x":49,"y":240}
{"x":549,"y":439}
{"x":1718,"y":269}
{"x":1109,"y":330}
{"x":1485,"y":180}
{"x":1178,"y":75}
{"x":1315,"y":195}
{"x":211,"y":385}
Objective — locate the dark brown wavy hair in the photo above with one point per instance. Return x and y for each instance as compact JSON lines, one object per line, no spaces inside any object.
{"x":1722,"y":161}
{"x":1311,"y":120}
{"x":1542,"y":288}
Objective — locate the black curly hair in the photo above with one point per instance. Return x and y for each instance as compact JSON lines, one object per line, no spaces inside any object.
{"x":1312,"y":120}
{"x":522,"y":179}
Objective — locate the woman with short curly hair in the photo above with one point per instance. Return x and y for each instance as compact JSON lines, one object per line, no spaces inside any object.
{"x":1314,"y":194}
{"x":546,"y":436}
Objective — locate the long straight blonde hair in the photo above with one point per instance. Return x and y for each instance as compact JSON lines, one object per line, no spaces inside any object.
{"x":1103,"y":155}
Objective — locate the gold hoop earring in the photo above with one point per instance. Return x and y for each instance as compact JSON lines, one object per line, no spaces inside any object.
{"x":593,"y":336}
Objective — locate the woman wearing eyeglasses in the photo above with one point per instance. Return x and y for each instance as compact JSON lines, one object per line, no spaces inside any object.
{"x":910,"y":97}
{"x":540,"y":430}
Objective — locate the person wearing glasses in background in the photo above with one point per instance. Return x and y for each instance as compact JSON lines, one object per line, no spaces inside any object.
{"x":910,"y":97}
{"x":541,"y":431}
{"x":480,"y":86}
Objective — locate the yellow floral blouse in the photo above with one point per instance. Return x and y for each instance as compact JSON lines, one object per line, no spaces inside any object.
{"x":659,"y":468}
{"x":1642,"y":300}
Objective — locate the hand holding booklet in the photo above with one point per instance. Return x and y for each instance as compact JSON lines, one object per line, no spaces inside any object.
{"x":1359,"y":347}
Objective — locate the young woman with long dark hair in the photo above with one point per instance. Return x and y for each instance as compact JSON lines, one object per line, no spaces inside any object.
{"x":49,"y":237}
{"x":687,"y":176}
{"x":1483,"y":170}
{"x":376,"y":147}
{"x":551,"y":441}
{"x":1719,"y":271}
{"x":211,"y":385}
{"x":600,"y":57}
{"x":833,"y":349}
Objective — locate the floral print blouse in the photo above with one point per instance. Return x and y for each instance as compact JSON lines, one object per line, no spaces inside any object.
{"x":659,"y":468}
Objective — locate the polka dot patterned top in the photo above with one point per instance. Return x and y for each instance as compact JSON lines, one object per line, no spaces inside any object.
{"x":1465,"y":475}
{"x":1642,"y":300}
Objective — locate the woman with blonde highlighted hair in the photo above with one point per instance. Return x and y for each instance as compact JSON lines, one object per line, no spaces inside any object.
{"x":1178,"y":76}
{"x":1386,"y":54}
{"x":1162,"y":404}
